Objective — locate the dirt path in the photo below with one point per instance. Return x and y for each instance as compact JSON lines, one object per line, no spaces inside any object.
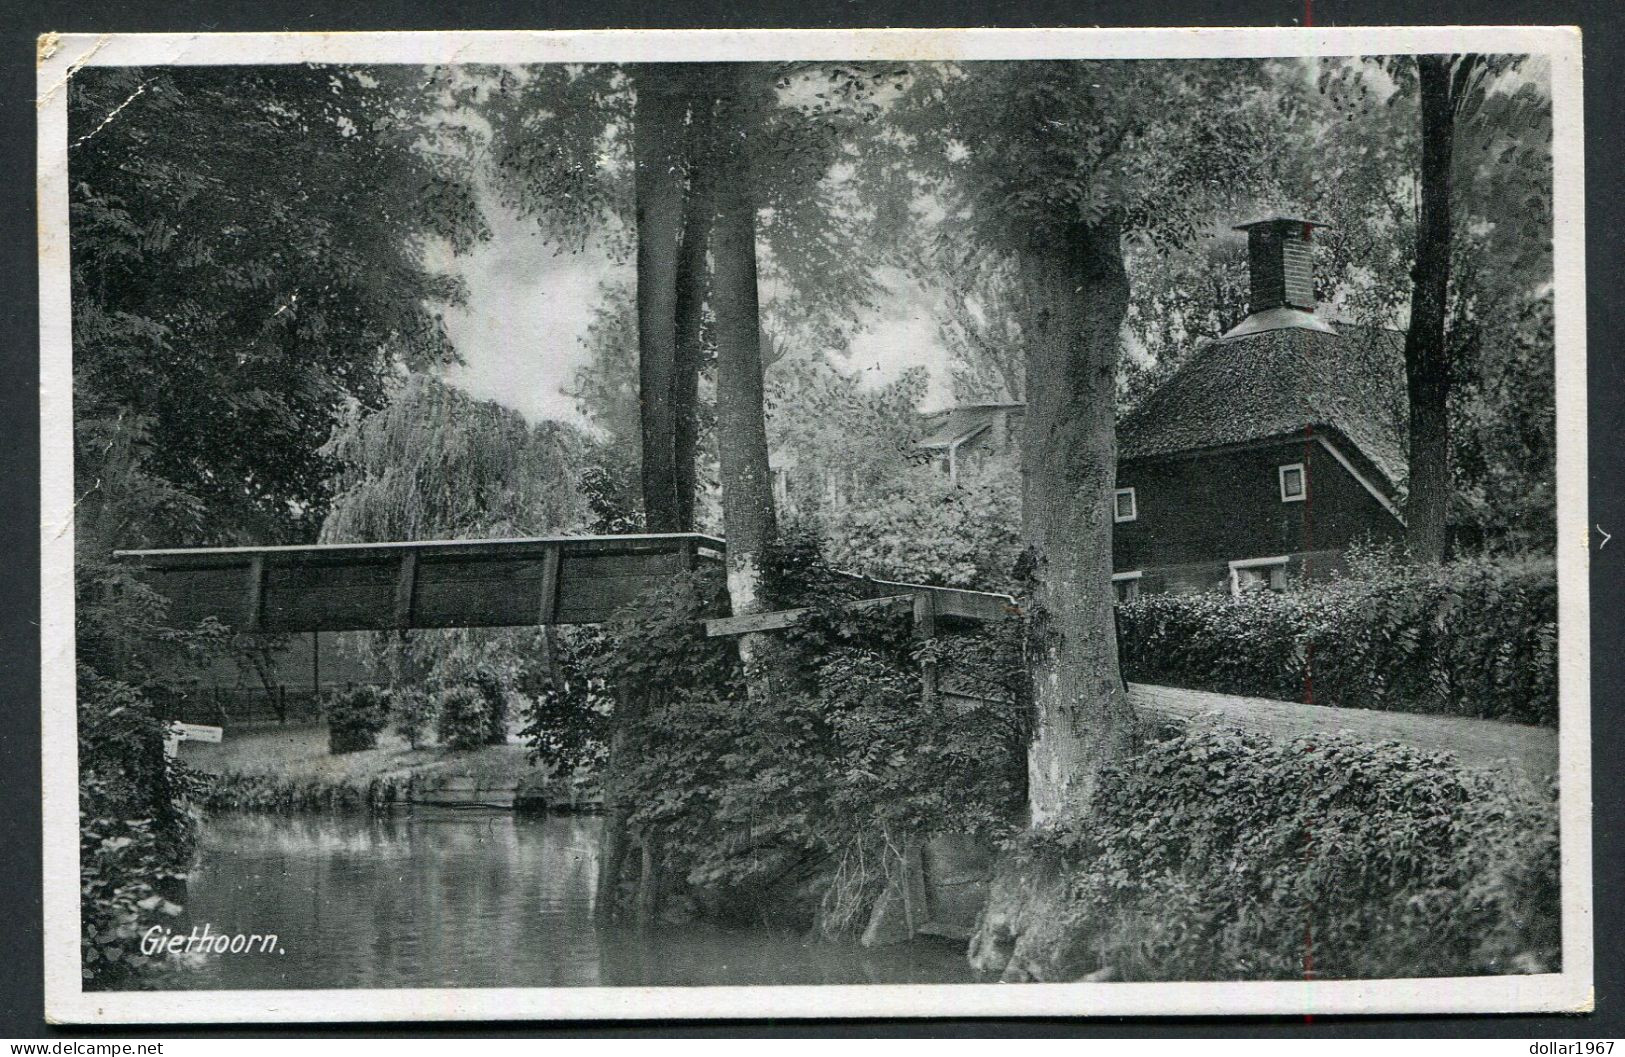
{"x":1484,"y":743}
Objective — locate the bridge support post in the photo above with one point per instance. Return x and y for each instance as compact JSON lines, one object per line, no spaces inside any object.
{"x":916,"y":904}
{"x":925,"y":629}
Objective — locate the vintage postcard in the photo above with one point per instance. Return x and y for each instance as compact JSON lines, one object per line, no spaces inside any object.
{"x":813,"y":523}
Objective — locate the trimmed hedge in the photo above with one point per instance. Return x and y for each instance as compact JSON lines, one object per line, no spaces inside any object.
{"x":1229,"y":856}
{"x":1466,"y":639}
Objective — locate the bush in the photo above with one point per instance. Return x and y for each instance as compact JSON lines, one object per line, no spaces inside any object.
{"x":1469,"y":639}
{"x":355,"y":718}
{"x":566,"y":711}
{"x":924,"y":530}
{"x":412,"y":712}
{"x":490,"y":687}
{"x":465,"y":718}
{"x":137,"y":830}
{"x":1223,"y":855}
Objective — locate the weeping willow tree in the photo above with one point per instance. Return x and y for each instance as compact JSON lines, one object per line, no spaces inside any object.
{"x":434,"y":463}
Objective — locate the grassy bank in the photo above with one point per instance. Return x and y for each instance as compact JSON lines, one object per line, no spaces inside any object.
{"x":288,"y":767}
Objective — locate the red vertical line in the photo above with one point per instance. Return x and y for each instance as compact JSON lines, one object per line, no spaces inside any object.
{"x":1308,"y":13}
{"x":1308,"y":540}
{"x":1309,"y":921}
{"x":1308,"y":680}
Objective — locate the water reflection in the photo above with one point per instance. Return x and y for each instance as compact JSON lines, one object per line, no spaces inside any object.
{"x":454,"y":899}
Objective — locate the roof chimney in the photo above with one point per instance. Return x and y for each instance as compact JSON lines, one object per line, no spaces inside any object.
{"x":1281,"y":266}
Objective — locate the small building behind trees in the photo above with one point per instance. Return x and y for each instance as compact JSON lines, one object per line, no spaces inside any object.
{"x":969,"y":430}
{"x":1264,"y":457}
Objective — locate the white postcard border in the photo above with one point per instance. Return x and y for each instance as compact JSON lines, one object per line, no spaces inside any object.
{"x":66,"y":1002}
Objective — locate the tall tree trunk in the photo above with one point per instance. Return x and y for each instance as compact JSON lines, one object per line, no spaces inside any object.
{"x":657,"y":140}
{"x":1078,"y":291}
{"x":1427,"y":355}
{"x":657,"y":153}
{"x":749,"y":523}
{"x":693,"y":285}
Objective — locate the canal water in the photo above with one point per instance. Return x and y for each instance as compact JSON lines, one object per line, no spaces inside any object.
{"x":450,"y":898}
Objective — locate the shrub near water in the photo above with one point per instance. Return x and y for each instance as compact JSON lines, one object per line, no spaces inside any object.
{"x":1222,"y":855}
{"x":465,"y":718}
{"x":491,"y":688}
{"x":1471,"y":639}
{"x":355,"y":718}
{"x":136,"y":833}
{"x":412,"y":712}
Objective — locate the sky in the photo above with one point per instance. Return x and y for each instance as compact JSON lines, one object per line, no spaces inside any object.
{"x":528,"y":306}
{"x":520,"y":332}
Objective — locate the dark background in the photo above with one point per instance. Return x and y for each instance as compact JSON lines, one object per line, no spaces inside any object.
{"x":1603,"y":25}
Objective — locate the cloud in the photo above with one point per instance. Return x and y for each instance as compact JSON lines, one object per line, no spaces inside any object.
{"x":528,"y":306}
{"x":901,"y":336}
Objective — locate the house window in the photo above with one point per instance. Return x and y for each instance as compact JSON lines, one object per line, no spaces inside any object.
{"x":1126,"y":586}
{"x":1294,"y":485}
{"x":1124,"y":507}
{"x":1258,"y":574}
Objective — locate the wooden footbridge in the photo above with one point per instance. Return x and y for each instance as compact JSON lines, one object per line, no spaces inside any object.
{"x":478,"y":584}
{"x":589,"y":579}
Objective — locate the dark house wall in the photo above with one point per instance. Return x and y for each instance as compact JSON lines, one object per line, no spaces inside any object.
{"x":1198,"y":512}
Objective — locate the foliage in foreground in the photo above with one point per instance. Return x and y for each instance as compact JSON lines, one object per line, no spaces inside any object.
{"x":793,"y":803}
{"x":136,"y":828}
{"x":1223,"y":855}
{"x":1468,"y":639}
{"x":135,"y":833}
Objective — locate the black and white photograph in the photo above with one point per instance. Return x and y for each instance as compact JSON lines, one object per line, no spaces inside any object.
{"x":844,"y":523}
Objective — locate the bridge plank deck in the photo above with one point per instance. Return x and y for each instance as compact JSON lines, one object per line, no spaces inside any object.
{"x":458,"y":583}
{"x":427,"y":584}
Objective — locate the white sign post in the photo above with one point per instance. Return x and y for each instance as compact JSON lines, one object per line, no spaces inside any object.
{"x":179,"y":732}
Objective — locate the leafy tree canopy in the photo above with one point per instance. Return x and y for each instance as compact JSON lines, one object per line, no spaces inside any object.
{"x":249,"y":257}
{"x":434,"y":463}
{"x":557,"y":140}
{"x":1029,"y":151}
